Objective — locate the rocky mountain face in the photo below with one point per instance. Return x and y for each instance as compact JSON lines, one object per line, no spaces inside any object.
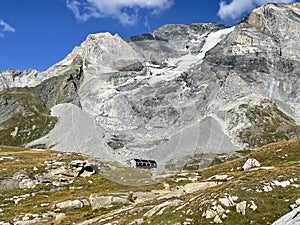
{"x":263,"y":51}
{"x":23,"y":117}
{"x":179,"y":91}
{"x":15,"y":78}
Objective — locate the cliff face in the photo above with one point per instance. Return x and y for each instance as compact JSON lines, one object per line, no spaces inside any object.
{"x":262,"y":51}
{"x":179,"y":91}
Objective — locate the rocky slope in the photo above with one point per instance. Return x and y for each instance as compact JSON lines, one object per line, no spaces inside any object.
{"x":183,"y":90}
{"x":71,"y":188}
{"x":23,"y":117}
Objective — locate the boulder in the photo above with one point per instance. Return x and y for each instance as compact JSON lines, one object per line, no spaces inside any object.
{"x":4,"y":223}
{"x":70,"y":204}
{"x":88,"y":170}
{"x":228,"y":201}
{"x":253,"y":206}
{"x":250,"y":163}
{"x":139,"y":221}
{"x":267,"y":188}
{"x":44,"y":204}
{"x":66,"y":172}
{"x":241,"y":207}
{"x":209,"y":214}
{"x":99,"y":202}
{"x":9,"y":184}
{"x":220,"y":210}
{"x":217,"y":219}
{"x":120,"y":201}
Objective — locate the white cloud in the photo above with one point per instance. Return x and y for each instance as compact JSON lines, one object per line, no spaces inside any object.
{"x":126,"y":11}
{"x":236,"y":8}
{"x":5,"y":27}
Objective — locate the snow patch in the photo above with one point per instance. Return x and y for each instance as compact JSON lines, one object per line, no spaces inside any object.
{"x":176,"y":66}
{"x":213,"y":39}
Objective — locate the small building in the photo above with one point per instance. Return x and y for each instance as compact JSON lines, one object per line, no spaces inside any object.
{"x":142,"y":163}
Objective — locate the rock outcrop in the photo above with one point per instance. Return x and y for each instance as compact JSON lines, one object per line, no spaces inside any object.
{"x":292,"y":217}
{"x":12,"y":78}
{"x":250,"y":163}
{"x":56,"y":172}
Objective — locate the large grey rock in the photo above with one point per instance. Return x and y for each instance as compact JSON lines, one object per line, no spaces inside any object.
{"x":76,"y":168}
{"x":120,"y":201}
{"x":209,"y":214}
{"x":290,"y":218}
{"x":250,"y":163}
{"x":228,"y":201}
{"x":241,"y":207}
{"x":217,"y":219}
{"x":99,"y":202}
{"x":220,"y":210}
{"x":17,"y":180}
{"x":70,"y":204}
{"x":4,"y":223}
{"x":9,"y":184}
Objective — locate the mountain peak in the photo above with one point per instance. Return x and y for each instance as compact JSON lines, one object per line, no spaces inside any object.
{"x":103,"y":51}
{"x":270,"y":16}
{"x":102,"y":38}
{"x":101,"y":35}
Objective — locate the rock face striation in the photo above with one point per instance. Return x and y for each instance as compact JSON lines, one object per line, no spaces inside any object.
{"x":179,"y":91}
{"x":263,"y":51}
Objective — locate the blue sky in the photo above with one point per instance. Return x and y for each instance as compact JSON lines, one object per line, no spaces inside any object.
{"x":39,"y":33}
